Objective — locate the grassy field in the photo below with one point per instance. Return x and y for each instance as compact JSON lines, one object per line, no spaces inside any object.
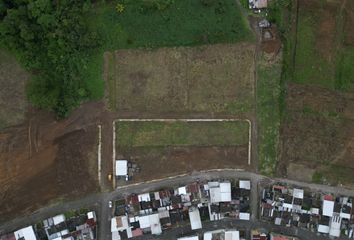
{"x":157,"y":134}
{"x":208,"y":79}
{"x":268,"y":113}
{"x":321,"y":56}
{"x":13,"y":101}
{"x":160,"y":23}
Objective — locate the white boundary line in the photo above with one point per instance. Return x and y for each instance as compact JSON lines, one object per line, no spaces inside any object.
{"x":181,"y":120}
{"x":114,"y":155}
{"x":99,"y":154}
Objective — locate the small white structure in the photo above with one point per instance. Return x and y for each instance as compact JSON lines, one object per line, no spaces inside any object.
{"x":151,"y":221}
{"x":26,"y":233}
{"x":245,"y":184}
{"x":145,"y":197}
{"x":222,"y":234}
{"x":121,"y":167}
{"x":58,"y":219}
{"x":298,"y":193}
{"x":257,"y":4}
{"x":323,"y":229}
{"x":327,"y":208}
{"x":194,"y":217}
{"x":189,"y":238}
{"x":334,"y":229}
{"x":182,"y":190}
{"x":244,"y":216}
{"x":219,"y":192}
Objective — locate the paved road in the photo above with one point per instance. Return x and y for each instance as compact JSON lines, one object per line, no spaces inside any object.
{"x":99,"y":203}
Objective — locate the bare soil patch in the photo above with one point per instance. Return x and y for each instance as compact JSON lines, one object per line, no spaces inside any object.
{"x":319,"y":129}
{"x":215,"y":78}
{"x":159,"y":162}
{"x":13,"y":101}
{"x":44,"y":160}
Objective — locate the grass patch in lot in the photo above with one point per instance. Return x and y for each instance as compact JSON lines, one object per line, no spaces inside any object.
{"x":268,"y":113}
{"x":159,"y":23}
{"x":213,"y":79}
{"x":157,"y":134}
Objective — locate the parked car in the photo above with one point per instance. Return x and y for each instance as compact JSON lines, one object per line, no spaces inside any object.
{"x":110,"y":204}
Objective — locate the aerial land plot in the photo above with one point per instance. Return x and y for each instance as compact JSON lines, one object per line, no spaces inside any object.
{"x":212,"y":79}
{"x":317,"y":129}
{"x":168,"y":148}
{"x":324,"y":52}
{"x":13,"y":101}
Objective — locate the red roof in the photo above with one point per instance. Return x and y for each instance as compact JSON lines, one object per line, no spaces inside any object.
{"x":328,"y":197}
{"x":280,"y":238}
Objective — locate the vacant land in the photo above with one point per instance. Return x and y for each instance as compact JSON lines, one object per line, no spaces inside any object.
{"x":324,"y":56}
{"x":13,"y":101}
{"x":160,"y":23}
{"x":154,"y":134}
{"x":211,"y":79}
{"x":317,"y":130}
{"x":268,"y":113}
{"x":177,"y":147}
{"x":43,"y":161}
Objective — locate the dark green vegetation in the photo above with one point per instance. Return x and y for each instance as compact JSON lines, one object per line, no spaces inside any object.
{"x":268,"y":113}
{"x":51,"y":39}
{"x":157,"y":134}
{"x":62,"y":42}
{"x":156,"y":23}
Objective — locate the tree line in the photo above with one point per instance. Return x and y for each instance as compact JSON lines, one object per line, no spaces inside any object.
{"x":52,"y":40}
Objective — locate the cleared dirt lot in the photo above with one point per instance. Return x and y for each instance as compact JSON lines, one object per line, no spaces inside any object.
{"x":43,"y":160}
{"x":13,"y":102}
{"x":217,"y":78}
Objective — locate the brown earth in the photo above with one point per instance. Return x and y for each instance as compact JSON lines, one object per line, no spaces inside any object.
{"x":44,"y":160}
{"x":153,"y":162}
{"x":318,"y":131}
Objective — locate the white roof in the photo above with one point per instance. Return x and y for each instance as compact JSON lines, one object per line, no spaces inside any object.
{"x":145,"y":197}
{"x":27,"y":233}
{"x":244,"y":216}
{"x":345,"y":215}
{"x":288,"y":205}
{"x":298,"y":193}
{"x":182,"y":190}
{"x":323,"y":228}
{"x":155,"y":224}
{"x":328,"y":207}
{"x":245,"y":184}
{"x":115,"y":236}
{"x":315,"y":211}
{"x":334,"y":229}
{"x":232,"y":235}
{"x":121,"y":167}
{"x":90,"y":215}
{"x":225,"y":190}
{"x":189,"y":238}
{"x":215,"y":195}
{"x":144,"y":221}
{"x":114,"y":225}
{"x":194,"y":217}
{"x":59,"y":219}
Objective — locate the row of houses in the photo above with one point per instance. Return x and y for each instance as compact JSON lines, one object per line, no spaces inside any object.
{"x":220,"y":234}
{"x":322,"y":213}
{"x":76,"y":227}
{"x":152,"y":212}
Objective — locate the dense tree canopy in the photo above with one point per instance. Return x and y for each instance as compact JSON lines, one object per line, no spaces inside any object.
{"x":51,"y":38}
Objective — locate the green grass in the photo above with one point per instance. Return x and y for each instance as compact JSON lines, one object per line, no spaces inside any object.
{"x":157,"y":134}
{"x":334,"y":174}
{"x":183,"y":22}
{"x":268,"y":113}
{"x":345,"y":70}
